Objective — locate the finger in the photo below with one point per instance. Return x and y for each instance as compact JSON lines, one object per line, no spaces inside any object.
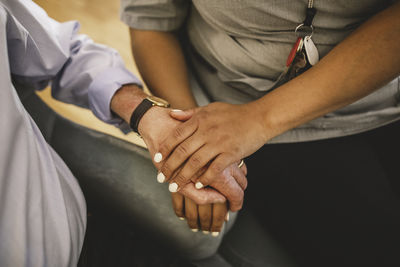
{"x":205,"y":213}
{"x":161,"y":176}
{"x":203,"y":196}
{"x":218,"y":218}
{"x":215,"y":170}
{"x":239,"y":176}
{"x":178,"y":135}
{"x":180,"y":154}
{"x":194,"y":165}
{"x":178,"y":205}
{"x":229,"y":187}
{"x":191,"y":214}
{"x":233,"y":192}
{"x":182,"y":115}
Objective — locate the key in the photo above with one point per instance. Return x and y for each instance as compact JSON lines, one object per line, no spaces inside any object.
{"x":311,"y":51}
{"x":298,"y":65}
{"x":298,"y":46}
{"x":284,"y":77}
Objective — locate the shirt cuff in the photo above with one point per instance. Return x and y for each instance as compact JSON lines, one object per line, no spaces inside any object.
{"x":102,"y":90}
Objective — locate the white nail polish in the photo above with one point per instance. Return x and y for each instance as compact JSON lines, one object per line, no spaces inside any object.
{"x":206,"y":232}
{"x":215,"y":234}
{"x":173,"y":187}
{"x":199,"y":185}
{"x":227,"y":216}
{"x":177,"y":110}
{"x":195,"y":230}
{"x":158,"y":157}
{"x":160,"y":178}
{"x":181,"y":218}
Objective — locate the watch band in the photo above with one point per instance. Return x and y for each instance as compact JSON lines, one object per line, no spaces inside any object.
{"x":138,"y":113}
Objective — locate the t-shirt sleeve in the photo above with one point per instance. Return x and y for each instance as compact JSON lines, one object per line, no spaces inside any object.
{"x":157,"y":15}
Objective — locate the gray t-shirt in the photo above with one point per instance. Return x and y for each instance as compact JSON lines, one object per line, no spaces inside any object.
{"x":244,"y":46}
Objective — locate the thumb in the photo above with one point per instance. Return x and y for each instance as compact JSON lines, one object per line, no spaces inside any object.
{"x":182,"y":115}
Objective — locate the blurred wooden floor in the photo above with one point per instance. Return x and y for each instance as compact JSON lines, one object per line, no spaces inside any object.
{"x":100,"y":20}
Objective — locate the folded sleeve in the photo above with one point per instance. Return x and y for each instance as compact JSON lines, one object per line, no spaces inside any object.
{"x":91,"y":76}
{"x":157,"y":15}
{"x":81,"y":72}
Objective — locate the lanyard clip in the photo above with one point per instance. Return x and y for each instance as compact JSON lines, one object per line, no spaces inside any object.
{"x":306,"y":28}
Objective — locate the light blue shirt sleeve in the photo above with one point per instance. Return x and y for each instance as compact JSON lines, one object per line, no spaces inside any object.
{"x":80,"y":71}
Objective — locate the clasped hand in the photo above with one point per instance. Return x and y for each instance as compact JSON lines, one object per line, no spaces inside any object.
{"x":156,"y":126}
{"x":213,"y":138}
{"x":200,"y":152}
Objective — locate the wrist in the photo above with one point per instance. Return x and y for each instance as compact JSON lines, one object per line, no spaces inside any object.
{"x":266,"y":123}
{"x":126,"y":99}
{"x":150,"y":118}
{"x":155,"y":125}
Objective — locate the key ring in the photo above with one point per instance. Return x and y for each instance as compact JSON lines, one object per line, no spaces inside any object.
{"x":304,"y":30}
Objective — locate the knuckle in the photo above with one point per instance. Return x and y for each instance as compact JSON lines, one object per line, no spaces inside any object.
{"x":180,"y":179}
{"x":240,"y":195}
{"x":201,"y":200}
{"x":164,"y":148}
{"x":217,"y":168}
{"x":166,"y":170}
{"x":182,"y":150}
{"x":224,"y":182}
{"x":178,"y":133}
{"x":237,"y":198}
{"x":207,"y":179}
{"x":195,"y":161}
{"x":238,"y":206}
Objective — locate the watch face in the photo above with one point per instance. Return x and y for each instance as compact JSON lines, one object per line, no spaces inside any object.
{"x":158,"y":101}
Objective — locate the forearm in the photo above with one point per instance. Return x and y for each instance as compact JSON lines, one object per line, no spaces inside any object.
{"x":161,"y":63}
{"x":362,"y":63}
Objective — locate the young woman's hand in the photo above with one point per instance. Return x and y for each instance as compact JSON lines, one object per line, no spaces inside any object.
{"x":217,"y":135}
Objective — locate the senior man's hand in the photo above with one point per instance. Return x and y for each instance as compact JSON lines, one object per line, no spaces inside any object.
{"x":156,"y":125}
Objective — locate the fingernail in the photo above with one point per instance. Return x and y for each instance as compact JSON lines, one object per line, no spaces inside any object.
{"x":199,"y":185}
{"x":158,"y":157}
{"x":160,"y":177}
{"x":215,"y":234}
{"x":181,"y":218}
{"x":173,"y":187}
{"x":195,"y":230}
{"x":176,"y":110}
{"x":206,"y":232}
{"x":227,"y":216}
